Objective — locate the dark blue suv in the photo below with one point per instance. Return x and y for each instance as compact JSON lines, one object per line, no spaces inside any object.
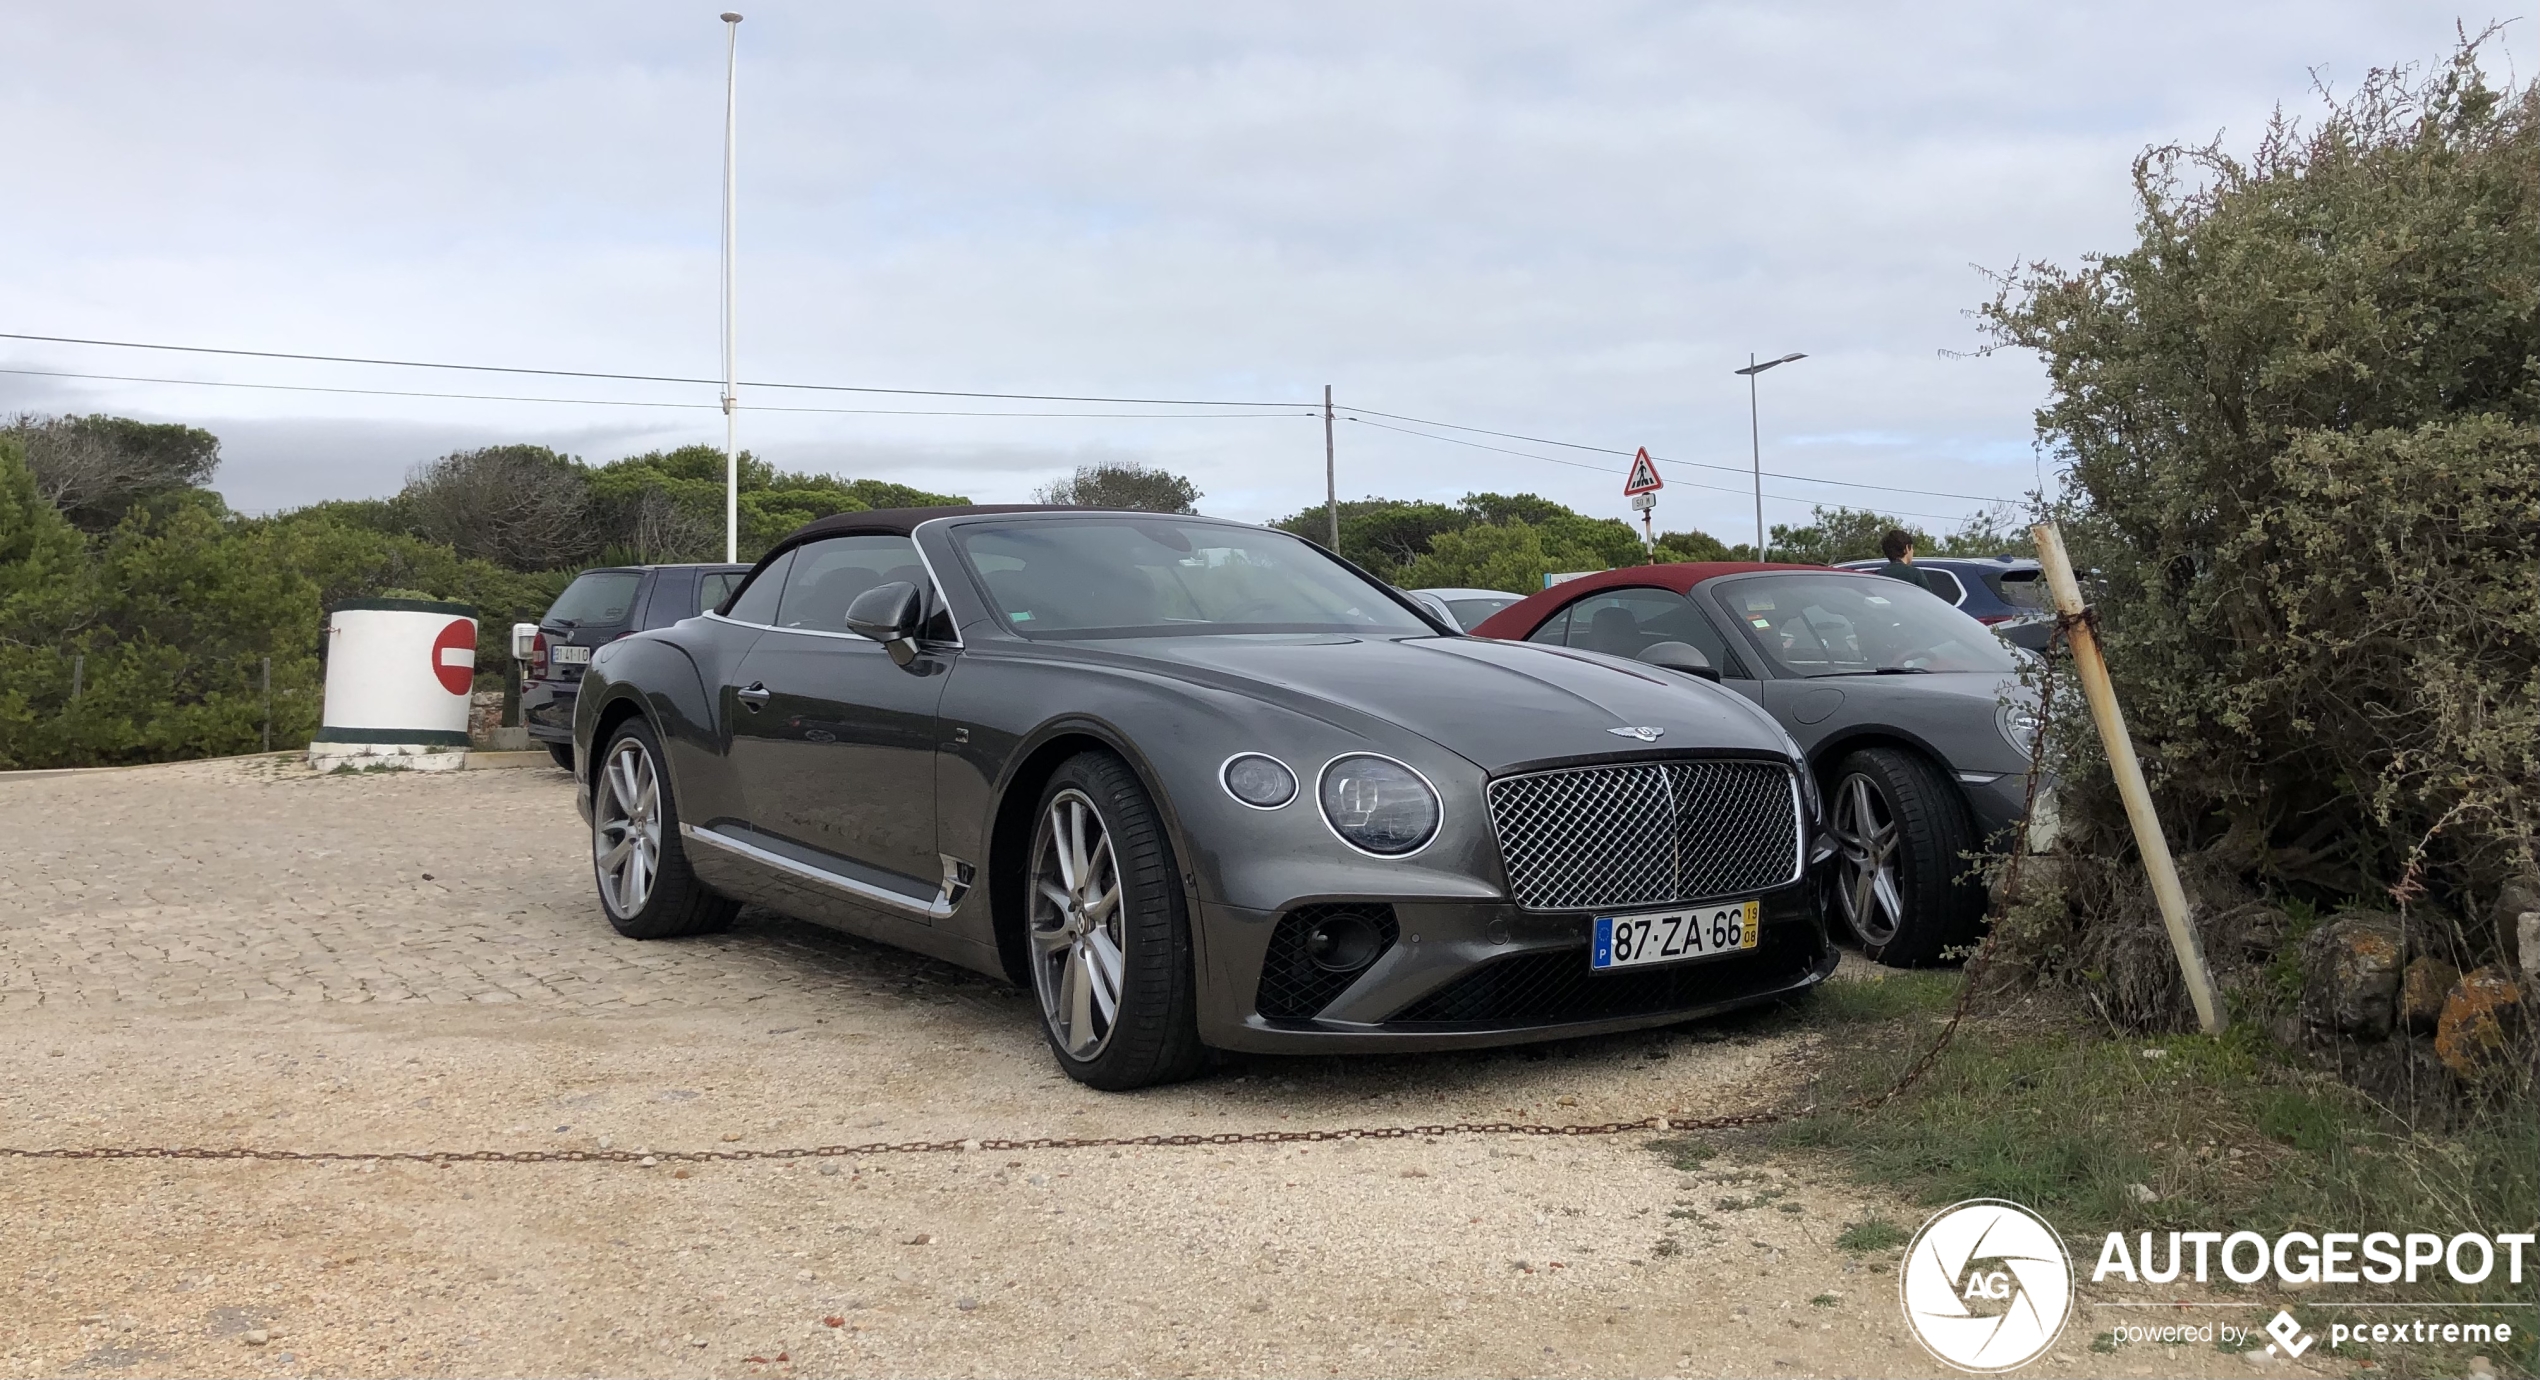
{"x":599,"y":607}
{"x":2005,"y":593}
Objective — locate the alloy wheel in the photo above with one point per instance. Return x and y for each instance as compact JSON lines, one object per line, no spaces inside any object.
{"x":1077,"y":925}
{"x":626,"y":828}
{"x":1865,"y":865}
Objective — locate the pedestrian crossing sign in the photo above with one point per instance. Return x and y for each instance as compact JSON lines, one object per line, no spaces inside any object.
{"x":1644,"y":477}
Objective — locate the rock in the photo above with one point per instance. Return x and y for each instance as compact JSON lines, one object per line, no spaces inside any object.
{"x":921,"y":1239}
{"x":2350,"y":974}
{"x":2527,"y":943}
{"x":2480,"y":1368}
{"x":2481,"y":1018}
{"x":967,"y":1305}
{"x":256,"y":1336}
{"x":2422,"y":987}
{"x":830,"y":1170}
{"x":2142,"y":1193}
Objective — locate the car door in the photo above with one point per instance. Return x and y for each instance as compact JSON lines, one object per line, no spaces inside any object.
{"x":835,"y":741}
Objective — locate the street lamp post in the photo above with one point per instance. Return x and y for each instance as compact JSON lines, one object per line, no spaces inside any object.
{"x":1755,"y":437}
{"x":731,"y":251}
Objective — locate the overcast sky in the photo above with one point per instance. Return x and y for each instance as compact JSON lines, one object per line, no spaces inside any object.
{"x":1564,"y":220}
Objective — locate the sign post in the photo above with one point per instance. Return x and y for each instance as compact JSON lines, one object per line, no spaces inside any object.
{"x":1641,"y":486}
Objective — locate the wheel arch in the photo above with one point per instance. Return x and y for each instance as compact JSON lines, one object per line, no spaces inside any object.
{"x":1832,"y":749}
{"x":1010,"y":835}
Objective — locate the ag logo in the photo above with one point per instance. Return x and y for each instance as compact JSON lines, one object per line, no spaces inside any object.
{"x":1986,"y":1285}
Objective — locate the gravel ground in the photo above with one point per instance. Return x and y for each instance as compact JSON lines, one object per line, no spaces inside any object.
{"x":241,"y":953}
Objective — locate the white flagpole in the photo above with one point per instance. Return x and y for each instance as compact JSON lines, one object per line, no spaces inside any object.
{"x":731,"y":247}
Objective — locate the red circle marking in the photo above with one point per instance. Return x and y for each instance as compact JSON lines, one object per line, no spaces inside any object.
{"x":461,"y":635}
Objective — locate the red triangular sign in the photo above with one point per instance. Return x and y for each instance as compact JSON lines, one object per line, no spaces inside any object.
{"x":1644,"y":479}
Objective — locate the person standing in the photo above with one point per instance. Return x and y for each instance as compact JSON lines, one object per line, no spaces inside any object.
{"x":1898,"y":547}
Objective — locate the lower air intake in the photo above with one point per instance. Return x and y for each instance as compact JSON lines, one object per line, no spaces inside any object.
{"x":1317,"y":952}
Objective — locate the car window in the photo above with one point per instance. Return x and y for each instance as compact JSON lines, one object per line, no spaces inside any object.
{"x":1555,"y":630}
{"x":597,"y":598}
{"x":1843,"y":624}
{"x":1160,"y":576}
{"x":1469,"y":613}
{"x":715,"y":586}
{"x":1626,"y":622}
{"x":2023,"y":589}
{"x":829,"y":574}
{"x":1944,"y":584}
{"x":757,"y":603}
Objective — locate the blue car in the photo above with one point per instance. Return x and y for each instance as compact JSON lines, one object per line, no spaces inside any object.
{"x":2005,"y":593}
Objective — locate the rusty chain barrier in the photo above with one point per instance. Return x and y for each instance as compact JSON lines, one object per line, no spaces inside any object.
{"x":1912,"y":1075}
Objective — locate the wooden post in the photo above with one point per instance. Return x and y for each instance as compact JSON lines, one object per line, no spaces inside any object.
{"x":268,"y":680}
{"x":2129,"y":773}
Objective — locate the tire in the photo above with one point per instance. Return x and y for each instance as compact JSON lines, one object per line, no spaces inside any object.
{"x":1895,"y":811}
{"x":1138,"y":949}
{"x":647,"y":891}
{"x":563,"y":753}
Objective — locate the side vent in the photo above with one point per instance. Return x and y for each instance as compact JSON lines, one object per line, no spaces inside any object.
{"x":1317,"y":952}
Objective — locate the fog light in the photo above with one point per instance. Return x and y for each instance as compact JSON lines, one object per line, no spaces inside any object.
{"x":1343,"y":943}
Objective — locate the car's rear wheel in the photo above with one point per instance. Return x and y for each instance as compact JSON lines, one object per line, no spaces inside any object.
{"x":563,"y":753}
{"x":1109,"y":931}
{"x":1902,"y":879}
{"x":646,"y":887}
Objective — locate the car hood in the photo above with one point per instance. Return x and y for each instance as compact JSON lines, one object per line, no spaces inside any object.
{"x":1500,"y":705}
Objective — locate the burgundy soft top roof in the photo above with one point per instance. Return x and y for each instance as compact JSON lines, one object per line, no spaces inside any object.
{"x":1520,"y":618}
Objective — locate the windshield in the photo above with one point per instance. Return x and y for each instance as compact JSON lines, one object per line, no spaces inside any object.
{"x":1161,"y":577}
{"x":1469,"y":613}
{"x":598,"y":596}
{"x":1851,"y":625}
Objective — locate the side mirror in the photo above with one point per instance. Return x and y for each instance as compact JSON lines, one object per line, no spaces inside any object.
{"x":888,"y":614}
{"x":524,"y":640}
{"x":1680,"y":656}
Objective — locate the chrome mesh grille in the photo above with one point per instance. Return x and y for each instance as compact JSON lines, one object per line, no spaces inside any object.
{"x":1645,"y":833}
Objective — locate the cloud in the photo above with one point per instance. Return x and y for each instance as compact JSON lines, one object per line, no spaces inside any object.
{"x":1568,"y":221}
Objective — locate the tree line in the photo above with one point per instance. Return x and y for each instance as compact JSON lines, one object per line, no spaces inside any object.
{"x":139,"y":614}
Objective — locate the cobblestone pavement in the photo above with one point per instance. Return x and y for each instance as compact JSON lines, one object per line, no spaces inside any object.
{"x":254,"y":880}
{"x":238,"y":953}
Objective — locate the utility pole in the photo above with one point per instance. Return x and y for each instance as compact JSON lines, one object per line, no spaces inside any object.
{"x":731,"y":248}
{"x":1755,"y":437}
{"x":1331,"y":484}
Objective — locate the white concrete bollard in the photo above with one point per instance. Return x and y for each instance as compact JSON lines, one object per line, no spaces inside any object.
{"x":398,"y":672}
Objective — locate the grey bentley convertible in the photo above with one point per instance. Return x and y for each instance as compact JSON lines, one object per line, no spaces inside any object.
{"x":1197,"y":785}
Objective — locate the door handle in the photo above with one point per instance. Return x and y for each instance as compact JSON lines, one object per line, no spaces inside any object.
{"x":755,"y":695}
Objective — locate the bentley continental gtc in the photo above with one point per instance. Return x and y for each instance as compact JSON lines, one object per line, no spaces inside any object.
{"x":1198,"y":785}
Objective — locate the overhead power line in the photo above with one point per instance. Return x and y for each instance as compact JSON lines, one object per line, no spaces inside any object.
{"x":625,"y":402}
{"x":1301,"y":409}
{"x":1607,"y":469}
{"x":647,"y":378}
{"x":1698,"y":464}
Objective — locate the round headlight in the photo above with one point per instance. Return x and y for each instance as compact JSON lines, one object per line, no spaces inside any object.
{"x":1264,"y":783}
{"x":2019,"y":725}
{"x":1379,"y":805}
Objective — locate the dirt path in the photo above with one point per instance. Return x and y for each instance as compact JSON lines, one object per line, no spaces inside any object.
{"x":230,"y":953}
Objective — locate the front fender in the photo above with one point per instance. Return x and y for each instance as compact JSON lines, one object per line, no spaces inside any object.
{"x":655,"y":676}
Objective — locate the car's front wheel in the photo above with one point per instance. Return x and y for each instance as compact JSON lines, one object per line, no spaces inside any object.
{"x":1902,"y":879}
{"x":645,"y":886}
{"x":1110,"y":932}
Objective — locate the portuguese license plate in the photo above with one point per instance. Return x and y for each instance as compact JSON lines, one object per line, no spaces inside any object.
{"x":573,"y":656}
{"x":1673,"y":936}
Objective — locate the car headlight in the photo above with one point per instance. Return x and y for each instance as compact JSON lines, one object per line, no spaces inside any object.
{"x":1378,"y":805}
{"x":1264,"y":783}
{"x":2019,"y":725}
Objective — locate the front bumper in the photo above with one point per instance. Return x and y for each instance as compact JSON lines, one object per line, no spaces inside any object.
{"x":1466,"y":974}
{"x":1996,"y":805}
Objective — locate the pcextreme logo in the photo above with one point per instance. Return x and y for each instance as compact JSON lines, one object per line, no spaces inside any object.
{"x":1986,"y":1285}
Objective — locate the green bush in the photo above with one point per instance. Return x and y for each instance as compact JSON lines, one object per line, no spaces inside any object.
{"x":2300,"y":426}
